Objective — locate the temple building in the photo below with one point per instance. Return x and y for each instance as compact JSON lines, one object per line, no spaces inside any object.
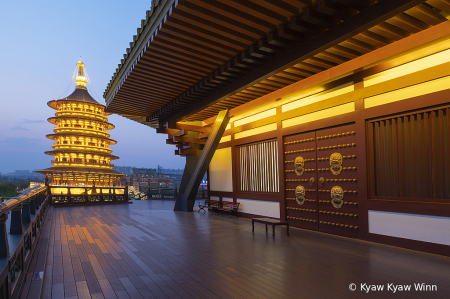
{"x":82,"y":156}
{"x":332,"y":116}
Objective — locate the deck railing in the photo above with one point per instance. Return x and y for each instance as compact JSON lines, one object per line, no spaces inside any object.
{"x":28,"y":213}
{"x":80,"y":195}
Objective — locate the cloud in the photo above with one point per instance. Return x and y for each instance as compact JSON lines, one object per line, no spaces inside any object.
{"x":27,"y":121}
{"x":20,"y":142}
{"x":31,"y":121}
{"x":20,"y":128}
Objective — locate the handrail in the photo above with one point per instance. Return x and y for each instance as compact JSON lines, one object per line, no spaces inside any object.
{"x":8,"y":205}
{"x":82,"y":162}
{"x":85,"y":186}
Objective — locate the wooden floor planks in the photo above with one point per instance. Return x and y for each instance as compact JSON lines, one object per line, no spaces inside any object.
{"x":145,"y":250}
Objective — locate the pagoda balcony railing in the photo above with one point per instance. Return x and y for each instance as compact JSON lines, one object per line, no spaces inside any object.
{"x":84,"y":131}
{"x":79,"y":109}
{"x":81,"y":161}
{"x":19,"y":240}
{"x":85,"y":195}
{"x":82,"y":113}
{"x":104,"y":149}
{"x":96,"y":129}
{"x":83,"y":143}
{"x":91,"y":144}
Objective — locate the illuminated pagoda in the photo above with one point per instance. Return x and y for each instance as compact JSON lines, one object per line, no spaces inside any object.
{"x":82,"y":156}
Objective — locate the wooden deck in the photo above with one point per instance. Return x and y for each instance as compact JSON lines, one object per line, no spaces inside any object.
{"x":145,"y":250}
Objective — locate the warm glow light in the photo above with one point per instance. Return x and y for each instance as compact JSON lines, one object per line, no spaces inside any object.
{"x":339,"y":90}
{"x":220,"y":170}
{"x":81,"y":79}
{"x":255,"y":131}
{"x":225,"y":139}
{"x":325,"y":113}
{"x":59,"y":190}
{"x":408,"y":92}
{"x":77,"y":121}
{"x":409,"y":68}
{"x":83,"y":114}
{"x":255,"y":117}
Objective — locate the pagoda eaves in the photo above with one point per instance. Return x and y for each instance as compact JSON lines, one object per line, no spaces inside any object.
{"x":81,"y":153}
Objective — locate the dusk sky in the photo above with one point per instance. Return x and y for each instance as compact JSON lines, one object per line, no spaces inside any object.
{"x":41,"y":42}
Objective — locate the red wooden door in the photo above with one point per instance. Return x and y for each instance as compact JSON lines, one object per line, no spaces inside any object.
{"x":322,"y":165}
{"x":301,"y":211}
{"x":338,"y":175}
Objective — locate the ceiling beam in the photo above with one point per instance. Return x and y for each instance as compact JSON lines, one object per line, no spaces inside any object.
{"x":368,"y":18}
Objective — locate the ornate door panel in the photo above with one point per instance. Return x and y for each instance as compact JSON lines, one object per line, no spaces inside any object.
{"x":338,"y":179}
{"x":321,"y":180}
{"x":301,"y":180}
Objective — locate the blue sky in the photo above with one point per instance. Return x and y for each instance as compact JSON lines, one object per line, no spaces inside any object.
{"x":41,"y":41}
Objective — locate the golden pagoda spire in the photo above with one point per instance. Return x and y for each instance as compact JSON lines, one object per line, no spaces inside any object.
{"x":81,"y":79}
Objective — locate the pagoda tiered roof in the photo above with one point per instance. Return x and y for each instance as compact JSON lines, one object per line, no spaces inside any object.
{"x":81,"y":152}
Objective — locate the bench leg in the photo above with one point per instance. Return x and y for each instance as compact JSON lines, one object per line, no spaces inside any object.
{"x":273,"y":230}
{"x":266,"y":227}
{"x":253,"y":226}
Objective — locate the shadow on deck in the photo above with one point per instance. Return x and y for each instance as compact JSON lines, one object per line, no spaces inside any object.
{"x":145,"y":250}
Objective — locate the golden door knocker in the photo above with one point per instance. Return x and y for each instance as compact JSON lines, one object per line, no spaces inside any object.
{"x":321,"y":181}
{"x":337,"y":196}
{"x":336,"y":163}
{"x":299,"y":164}
{"x":312,"y":181}
{"x":300,"y":194}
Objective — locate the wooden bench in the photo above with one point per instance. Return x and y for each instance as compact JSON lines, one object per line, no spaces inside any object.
{"x":270,"y":221}
{"x":209,"y":204}
{"x":228,"y":207}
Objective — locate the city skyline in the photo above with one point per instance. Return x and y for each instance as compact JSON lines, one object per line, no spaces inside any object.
{"x":38,"y":66}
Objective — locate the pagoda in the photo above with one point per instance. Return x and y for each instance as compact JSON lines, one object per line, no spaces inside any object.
{"x":82,"y":156}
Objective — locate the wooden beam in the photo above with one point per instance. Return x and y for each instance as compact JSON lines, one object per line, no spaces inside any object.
{"x":369,"y":17}
{"x":188,"y":139}
{"x":197,"y":165}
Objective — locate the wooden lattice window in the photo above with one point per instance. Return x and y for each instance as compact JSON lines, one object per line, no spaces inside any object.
{"x":258,"y":167}
{"x":410,"y":155}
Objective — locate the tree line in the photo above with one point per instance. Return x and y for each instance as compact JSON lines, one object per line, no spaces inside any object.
{"x":11,"y":188}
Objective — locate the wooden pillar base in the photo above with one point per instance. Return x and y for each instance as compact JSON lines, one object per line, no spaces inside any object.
{"x":180,"y":204}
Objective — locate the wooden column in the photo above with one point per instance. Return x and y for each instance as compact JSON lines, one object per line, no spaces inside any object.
{"x":196,"y":165}
{"x":4,"y":246}
{"x":16,"y":227}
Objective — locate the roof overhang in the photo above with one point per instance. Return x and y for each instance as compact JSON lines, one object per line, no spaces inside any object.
{"x":193,"y":58}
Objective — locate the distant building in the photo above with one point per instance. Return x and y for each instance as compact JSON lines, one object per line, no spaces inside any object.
{"x":81,"y":152}
{"x":144,"y":178}
{"x":128,"y":170}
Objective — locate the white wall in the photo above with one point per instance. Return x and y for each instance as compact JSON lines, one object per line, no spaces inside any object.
{"x":425,"y":228}
{"x":259,"y":207}
{"x":220,"y":174}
